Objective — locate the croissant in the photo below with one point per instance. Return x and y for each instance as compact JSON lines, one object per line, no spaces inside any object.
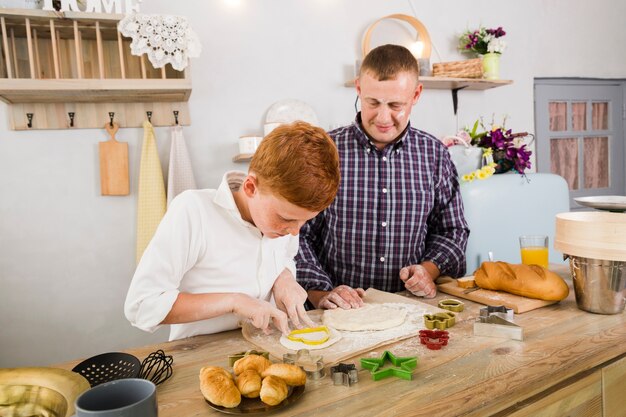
{"x":273,"y":390}
{"x":532,"y":281}
{"x":217,"y":386}
{"x":291,"y":374}
{"x":249,"y":383}
{"x":257,"y":362}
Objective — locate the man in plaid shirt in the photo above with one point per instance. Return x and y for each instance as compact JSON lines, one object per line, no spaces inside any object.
{"x":397,"y":221}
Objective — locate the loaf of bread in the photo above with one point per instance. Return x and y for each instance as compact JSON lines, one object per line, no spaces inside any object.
{"x":217,"y":386}
{"x":249,"y":383}
{"x":256,"y":362}
{"x":273,"y":390}
{"x":531,"y":281}
{"x":291,"y":374}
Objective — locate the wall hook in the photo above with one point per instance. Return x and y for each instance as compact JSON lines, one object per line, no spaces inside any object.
{"x":176,"y":116}
{"x":29,"y":116}
{"x":111,"y":116}
{"x":149,"y":114}
{"x":71,"y":115}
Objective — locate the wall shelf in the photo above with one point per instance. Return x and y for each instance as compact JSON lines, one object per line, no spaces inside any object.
{"x":243,"y":157}
{"x":54,"y":63}
{"x":445,"y":83}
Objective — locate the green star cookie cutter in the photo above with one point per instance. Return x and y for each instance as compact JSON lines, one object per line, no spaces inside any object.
{"x":402,"y":367}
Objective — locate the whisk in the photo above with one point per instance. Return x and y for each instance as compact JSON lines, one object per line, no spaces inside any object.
{"x":156,"y":367}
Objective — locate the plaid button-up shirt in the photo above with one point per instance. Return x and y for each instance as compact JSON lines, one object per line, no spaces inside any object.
{"x":395,"y":207}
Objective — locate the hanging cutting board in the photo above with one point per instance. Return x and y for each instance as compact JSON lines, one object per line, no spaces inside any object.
{"x":113,"y":164}
{"x":518,"y":303}
{"x":352,"y":343}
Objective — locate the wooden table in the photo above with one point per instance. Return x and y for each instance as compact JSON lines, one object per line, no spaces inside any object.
{"x":570,"y":363}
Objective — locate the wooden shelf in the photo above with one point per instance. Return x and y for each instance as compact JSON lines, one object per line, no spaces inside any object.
{"x":243,"y":157}
{"x":444,"y":83}
{"x":55,"y":64}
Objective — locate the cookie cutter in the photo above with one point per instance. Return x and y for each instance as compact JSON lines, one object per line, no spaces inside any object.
{"x":434,"y":339}
{"x":298,"y":335}
{"x":313,"y":365}
{"x":500,"y":311}
{"x":452,"y":305}
{"x":402,"y":367}
{"x":439,"y":321}
{"x":497,"y":322}
{"x":236,"y":356}
{"x":344,"y":374}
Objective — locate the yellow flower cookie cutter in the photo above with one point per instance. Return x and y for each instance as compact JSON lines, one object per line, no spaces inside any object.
{"x":299,"y":335}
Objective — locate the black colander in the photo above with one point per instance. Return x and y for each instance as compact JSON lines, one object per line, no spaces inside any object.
{"x":108,"y":367}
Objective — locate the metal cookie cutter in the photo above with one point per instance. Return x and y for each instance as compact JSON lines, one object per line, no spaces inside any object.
{"x":434,"y":339}
{"x":497,"y":322}
{"x":236,"y":356}
{"x":344,"y":374}
{"x":402,"y":367}
{"x":452,"y":305}
{"x":439,"y":321}
{"x":313,"y":365}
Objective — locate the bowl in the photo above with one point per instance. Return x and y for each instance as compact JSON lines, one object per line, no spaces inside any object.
{"x":599,"y":285}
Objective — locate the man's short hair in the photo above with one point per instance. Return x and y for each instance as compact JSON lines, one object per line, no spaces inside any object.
{"x":300,"y":163}
{"x":387,"y":61}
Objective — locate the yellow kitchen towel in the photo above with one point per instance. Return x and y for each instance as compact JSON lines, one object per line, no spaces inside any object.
{"x":151,"y":197}
{"x":180,"y":175}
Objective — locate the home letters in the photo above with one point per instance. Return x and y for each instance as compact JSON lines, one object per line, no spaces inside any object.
{"x":96,"y":6}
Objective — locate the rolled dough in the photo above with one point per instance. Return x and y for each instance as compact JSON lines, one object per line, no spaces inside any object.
{"x":368,"y":317}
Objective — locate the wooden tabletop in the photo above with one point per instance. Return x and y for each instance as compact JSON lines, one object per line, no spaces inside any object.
{"x":474,"y":376}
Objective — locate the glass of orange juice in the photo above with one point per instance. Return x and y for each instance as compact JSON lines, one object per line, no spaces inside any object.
{"x":534,"y":250}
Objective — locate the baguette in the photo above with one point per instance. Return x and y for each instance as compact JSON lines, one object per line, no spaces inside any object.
{"x":217,"y":386}
{"x":256,"y":362}
{"x":249,"y":383}
{"x":292,"y":374}
{"x":273,"y":390}
{"x":531,"y":281}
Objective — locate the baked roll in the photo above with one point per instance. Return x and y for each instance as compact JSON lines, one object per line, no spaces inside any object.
{"x":291,"y":374}
{"x":531,"y":281}
{"x":273,"y":390}
{"x":217,"y":386}
{"x":249,"y":383}
{"x":256,"y":362}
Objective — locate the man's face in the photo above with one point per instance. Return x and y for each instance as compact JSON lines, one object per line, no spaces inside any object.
{"x":386,"y":105}
{"x":275,"y":216}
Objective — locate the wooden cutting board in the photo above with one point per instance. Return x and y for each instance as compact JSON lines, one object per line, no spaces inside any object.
{"x":113,"y":164}
{"x":518,"y":303}
{"x":352,"y":343}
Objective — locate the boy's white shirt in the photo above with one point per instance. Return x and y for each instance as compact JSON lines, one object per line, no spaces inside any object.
{"x":202,"y":245}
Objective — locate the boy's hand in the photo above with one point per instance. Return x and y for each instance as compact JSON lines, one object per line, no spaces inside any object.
{"x":290,"y":297}
{"x":260,"y":313}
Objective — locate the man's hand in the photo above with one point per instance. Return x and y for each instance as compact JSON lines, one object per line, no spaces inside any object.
{"x":260,"y":313}
{"x":290,"y":298}
{"x":419,"y":281}
{"x":342,"y":296}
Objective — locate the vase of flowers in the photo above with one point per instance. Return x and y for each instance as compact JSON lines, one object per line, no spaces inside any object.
{"x":487,"y":43}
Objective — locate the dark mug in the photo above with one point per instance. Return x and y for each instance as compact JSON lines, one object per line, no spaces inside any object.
{"x":132,"y":397}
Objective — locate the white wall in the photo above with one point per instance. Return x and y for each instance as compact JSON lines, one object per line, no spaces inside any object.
{"x":67,"y":253}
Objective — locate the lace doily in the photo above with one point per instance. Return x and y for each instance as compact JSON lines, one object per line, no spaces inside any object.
{"x":166,"y":39}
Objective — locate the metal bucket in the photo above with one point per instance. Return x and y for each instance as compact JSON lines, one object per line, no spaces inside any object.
{"x":599,"y":285}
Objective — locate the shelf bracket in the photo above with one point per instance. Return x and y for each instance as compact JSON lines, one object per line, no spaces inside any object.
{"x":455,"y":97}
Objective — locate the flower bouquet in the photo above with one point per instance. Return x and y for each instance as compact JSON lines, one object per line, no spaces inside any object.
{"x":483,"y":41}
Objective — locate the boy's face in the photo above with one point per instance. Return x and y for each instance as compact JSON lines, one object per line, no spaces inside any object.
{"x":273,"y":215}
